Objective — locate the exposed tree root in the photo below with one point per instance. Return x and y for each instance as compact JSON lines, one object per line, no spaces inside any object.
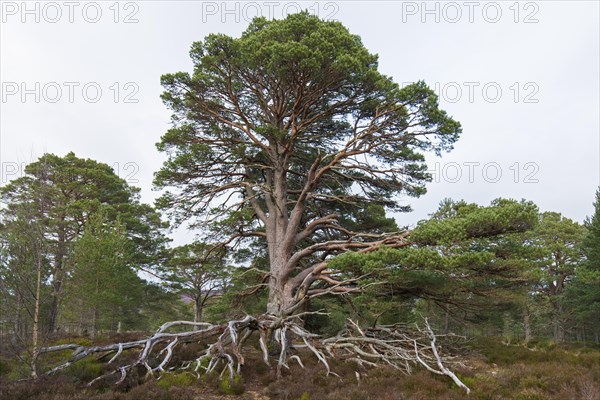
{"x":381,"y":345}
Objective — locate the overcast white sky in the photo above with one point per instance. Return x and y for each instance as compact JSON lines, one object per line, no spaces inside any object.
{"x":522,"y":78}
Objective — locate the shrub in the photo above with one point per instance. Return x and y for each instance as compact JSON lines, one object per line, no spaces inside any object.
{"x":233,"y":386}
{"x":44,"y":388}
{"x":531,"y":394}
{"x":4,"y":368}
{"x":84,"y":370}
{"x":151,"y":391}
{"x":17,"y":370}
{"x":181,"y":379}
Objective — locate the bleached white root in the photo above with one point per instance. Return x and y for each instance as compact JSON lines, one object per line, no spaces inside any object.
{"x":381,"y":345}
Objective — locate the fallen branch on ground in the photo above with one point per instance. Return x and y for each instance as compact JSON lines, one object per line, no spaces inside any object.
{"x":382,"y":345}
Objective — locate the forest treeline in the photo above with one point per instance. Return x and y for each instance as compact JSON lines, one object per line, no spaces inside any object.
{"x":81,"y":255}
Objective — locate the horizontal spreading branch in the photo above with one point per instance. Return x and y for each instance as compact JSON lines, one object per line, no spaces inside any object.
{"x":355,"y":242}
{"x":394,"y":346}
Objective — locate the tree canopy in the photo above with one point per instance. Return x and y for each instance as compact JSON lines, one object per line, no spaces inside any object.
{"x":279,"y":133}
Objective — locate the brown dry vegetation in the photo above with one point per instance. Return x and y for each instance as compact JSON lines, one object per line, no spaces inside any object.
{"x":493,"y":371}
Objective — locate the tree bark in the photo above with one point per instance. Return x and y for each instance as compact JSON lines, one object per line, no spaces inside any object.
{"x":198,"y":309}
{"x":280,"y":296}
{"x":57,"y":280}
{"x":558,"y":322}
{"x":527,"y":324}
{"x":19,"y":328}
{"x":36,"y":314}
{"x":280,"y":291}
{"x":95,"y":310}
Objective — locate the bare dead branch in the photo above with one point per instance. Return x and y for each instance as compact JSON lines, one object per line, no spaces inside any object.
{"x":396,"y":346}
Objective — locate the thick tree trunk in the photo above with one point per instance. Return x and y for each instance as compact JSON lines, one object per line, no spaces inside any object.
{"x":280,"y":290}
{"x":280,"y":296}
{"x":281,"y":229}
